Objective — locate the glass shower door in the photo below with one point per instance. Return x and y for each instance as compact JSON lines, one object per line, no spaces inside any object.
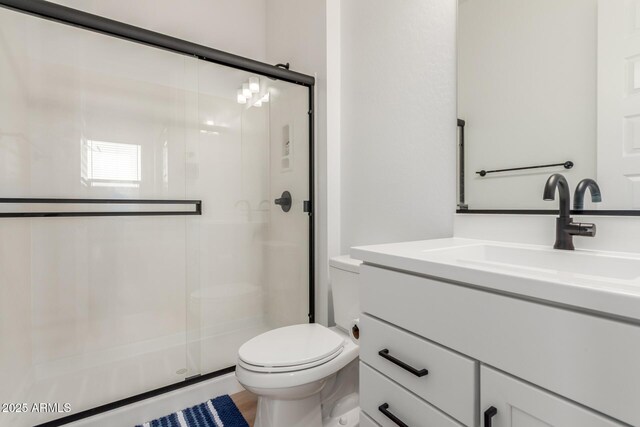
{"x":254,"y":272}
{"x":100,"y":308}
{"x":92,"y":309}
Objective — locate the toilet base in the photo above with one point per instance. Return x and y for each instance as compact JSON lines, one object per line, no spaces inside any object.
{"x":309,"y":397}
{"x":304,"y":412}
{"x":348,"y":419}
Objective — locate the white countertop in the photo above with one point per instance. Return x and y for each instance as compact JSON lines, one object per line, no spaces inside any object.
{"x":605,"y":282}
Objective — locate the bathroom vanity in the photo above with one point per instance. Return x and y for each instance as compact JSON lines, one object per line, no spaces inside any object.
{"x":459,"y":332}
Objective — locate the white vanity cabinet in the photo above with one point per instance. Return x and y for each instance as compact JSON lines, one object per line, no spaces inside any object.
{"x":536,"y":363}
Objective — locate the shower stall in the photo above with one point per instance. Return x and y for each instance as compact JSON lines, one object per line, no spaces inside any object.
{"x":145,"y":232}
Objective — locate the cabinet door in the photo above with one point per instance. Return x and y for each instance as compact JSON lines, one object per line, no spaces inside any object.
{"x":508,"y":402}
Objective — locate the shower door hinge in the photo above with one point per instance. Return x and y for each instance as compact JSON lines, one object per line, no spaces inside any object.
{"x":306,"y":206}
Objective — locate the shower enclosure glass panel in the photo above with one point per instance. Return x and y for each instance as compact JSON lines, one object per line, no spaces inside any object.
{"x":97,"y":309}
{"x":253,"y":273}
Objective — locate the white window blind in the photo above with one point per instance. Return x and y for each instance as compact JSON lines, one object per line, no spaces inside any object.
{"x":111,"y":164}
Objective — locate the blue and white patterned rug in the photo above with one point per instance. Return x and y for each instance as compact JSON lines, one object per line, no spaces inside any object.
{"x":218,"y":412}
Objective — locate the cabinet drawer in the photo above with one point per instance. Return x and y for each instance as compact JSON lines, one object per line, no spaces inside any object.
{"x":445,"y":379}
{"x":376,"y":390}
{"x":366,"y":421}
{"x":585,"y":358}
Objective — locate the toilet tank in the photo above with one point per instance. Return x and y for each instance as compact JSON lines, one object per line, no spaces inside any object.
{"x":344,"y":273}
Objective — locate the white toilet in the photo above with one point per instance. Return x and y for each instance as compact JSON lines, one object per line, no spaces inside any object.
{"x":307,"y":375}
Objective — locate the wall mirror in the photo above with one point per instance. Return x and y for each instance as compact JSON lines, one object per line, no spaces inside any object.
{"x":548,"y":86}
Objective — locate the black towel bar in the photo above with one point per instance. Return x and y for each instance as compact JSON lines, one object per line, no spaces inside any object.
{"x":567,"y":165}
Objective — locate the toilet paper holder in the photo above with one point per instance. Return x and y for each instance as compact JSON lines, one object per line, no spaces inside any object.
{"x":355,"y":331}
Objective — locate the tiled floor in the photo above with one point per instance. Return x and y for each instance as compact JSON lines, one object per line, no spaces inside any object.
{"x":247,"y":403}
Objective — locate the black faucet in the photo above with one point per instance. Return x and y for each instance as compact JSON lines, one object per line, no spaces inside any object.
{"x":565,"y":227}
{"x":578,"y":195}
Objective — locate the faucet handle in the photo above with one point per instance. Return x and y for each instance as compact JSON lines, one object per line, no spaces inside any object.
{"x":586,"y":229}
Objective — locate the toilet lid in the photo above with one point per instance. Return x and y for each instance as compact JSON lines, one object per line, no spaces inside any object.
{"x":291,"y":346}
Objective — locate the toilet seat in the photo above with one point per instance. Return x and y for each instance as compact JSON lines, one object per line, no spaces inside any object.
{"x":291,"y":348}
{"x":292,"y":368}
{"x":268,"y":382}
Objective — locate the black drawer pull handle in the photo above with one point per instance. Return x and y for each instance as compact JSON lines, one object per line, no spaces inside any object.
{"x":418,"y":373}
{"x":488,"y":415}
{"x":384,"y":408}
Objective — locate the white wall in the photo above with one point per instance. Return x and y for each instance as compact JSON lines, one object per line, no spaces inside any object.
{"x":527,"y":91}
{"x":236,"y":26}
{"x":398,"y":120}
{"x":617,"y":234}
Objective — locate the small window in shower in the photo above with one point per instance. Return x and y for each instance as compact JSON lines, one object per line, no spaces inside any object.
{"x":111,"y":164}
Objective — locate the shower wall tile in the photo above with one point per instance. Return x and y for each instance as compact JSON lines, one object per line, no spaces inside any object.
{"x":15,"y":261}
{"x":15,"y":310}
{"x":119,"y":281}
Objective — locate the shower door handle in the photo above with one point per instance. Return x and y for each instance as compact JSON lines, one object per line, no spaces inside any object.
{"x":284,"y":201}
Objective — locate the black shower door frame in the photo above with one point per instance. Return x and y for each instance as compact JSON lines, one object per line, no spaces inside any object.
{"x":65,"y":15}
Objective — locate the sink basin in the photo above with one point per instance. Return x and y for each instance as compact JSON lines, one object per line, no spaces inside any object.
{"x":597,"y":281}
{"x":563,"y":263}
